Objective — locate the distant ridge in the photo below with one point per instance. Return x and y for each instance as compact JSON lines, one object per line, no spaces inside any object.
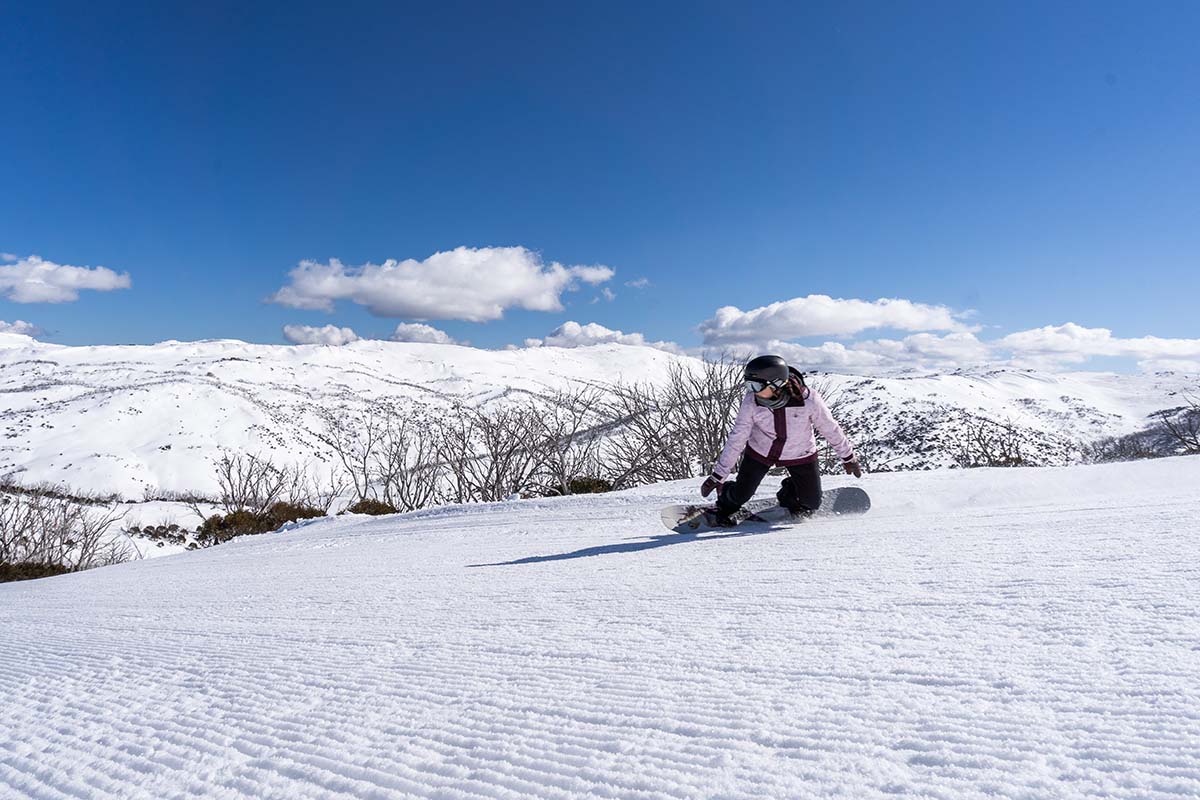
{"x":132,"y":418}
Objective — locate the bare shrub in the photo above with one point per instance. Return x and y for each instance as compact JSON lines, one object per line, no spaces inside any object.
{"x":305,"y":487}
{"x":1131,"y":447}
{"x":250,"y":482}
{"x":48,"y":528}
{"x":1183,"y":426}
{"x":1173,"y":431}
{"x":643,"y":445}
{"x":490,"y":454}
{"x":171,"y":496}
{"x":60,"y":492}
{"x":702,"y":406}
{"x":257,"y":496}
{"x":983,"y":442}
{"x":568,"y":430}
{"x":356,"y":439}
{"x":407,"y":462}
{"x":669,"y":431}
{"x":389,"y":452}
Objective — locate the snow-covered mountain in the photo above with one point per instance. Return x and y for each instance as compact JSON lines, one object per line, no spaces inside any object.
{"x":126,"y":419}
{"x":919,"y":422}
{"x":136,"y":419}
{"x":980,"y":633}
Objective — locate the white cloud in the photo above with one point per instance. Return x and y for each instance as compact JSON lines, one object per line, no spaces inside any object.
{"x":953,"y":349}
{"x":830,"y":355}
{"x":1069,"y":342}
{"x":919,"y":351}
{"x":473,"y":284}
{"x":416,"y":332}
{"x":941,"y":340}
{"x":572,"y":334}
{"x":1050,"y":348}
{"x":1057,"y":345}
{"x":310,"y":334}
{"x":20,"y":326}
{"x":638,"y":283}
{"x":821,"y":315}
{"x":35,"y":280}
{"x":591,"y":275}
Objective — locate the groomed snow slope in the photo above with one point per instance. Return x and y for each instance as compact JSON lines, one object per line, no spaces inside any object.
{"x":1022,"y":633}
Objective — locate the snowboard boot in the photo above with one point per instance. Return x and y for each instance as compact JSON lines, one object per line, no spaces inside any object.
{"x":716,"y":518}
{"x":787,"y":498}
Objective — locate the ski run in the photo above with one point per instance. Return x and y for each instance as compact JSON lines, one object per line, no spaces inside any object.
{"x":1027,"y":633}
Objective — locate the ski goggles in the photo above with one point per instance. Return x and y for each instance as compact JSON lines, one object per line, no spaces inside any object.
{"x":757,"y":386}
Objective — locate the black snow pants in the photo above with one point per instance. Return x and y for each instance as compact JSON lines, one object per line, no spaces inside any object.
{"x":800,"y":492}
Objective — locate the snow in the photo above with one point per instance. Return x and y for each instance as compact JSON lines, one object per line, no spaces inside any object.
{"x":982,"y":633}
{"x":140,"y":420}
{"x":137,"y":420}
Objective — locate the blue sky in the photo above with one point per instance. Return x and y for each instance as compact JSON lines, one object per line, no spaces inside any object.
{"x":1033,"y":163}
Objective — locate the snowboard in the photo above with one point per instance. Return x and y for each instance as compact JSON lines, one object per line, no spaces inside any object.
{"x":834,"y":502}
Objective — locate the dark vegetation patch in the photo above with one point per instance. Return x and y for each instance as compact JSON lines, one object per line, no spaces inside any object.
{"x":30,"y":571}
{"x":220,"y":528}
{"x":373,"y":507}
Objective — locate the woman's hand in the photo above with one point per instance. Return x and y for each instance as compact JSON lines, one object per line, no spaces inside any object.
{"x":710,"y":483}
{"x":852,"y":467}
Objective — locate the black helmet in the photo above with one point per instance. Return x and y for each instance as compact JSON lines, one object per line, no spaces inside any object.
{"x":767,"y":370}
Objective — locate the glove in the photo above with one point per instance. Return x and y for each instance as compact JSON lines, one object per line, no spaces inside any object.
{"x":852,"y":467}
{"x":710,"y":483}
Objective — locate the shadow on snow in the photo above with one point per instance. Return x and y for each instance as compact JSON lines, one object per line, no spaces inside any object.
{"x":632,"y":547}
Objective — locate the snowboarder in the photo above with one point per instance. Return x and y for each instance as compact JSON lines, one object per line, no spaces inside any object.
{"x":774,"y":427}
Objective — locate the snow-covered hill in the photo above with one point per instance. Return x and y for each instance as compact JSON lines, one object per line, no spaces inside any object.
{"x":919,"y":422}
{"x":137,"y":419}
{"x":128,"y":419}
{"x":981,"y":633}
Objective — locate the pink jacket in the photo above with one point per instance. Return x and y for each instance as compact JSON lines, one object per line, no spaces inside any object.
{"x":783,"y":436}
